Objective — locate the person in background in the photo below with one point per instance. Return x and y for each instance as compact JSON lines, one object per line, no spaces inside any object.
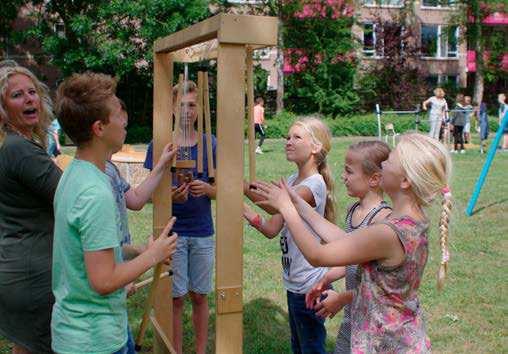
{"x":469,"y":113}
{"x":503,"y":108}
{"x":259,"y":121}
{"x":54,"y":148}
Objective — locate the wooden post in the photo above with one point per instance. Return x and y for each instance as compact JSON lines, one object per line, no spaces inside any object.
{"x":229,"y":257}
{"x":162,"y":205}
{"x":177,"y":108}
{"x":250,"y":116}
{"x":200,"y":123}
{"x":208,"y":129}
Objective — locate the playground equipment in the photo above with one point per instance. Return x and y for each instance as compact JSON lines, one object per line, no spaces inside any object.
{"x":486,"y":166}
{"x":230,"y":39}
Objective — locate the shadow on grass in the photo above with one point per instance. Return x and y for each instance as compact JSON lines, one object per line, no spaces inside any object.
{"x":479,"y":210}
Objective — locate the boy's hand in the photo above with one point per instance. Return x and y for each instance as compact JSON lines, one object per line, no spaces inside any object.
{"x":165,"y":245}
{"x":198,"y":188}
{"x":130,"y":289}
{"x":180,"y":194}
{"x":167,"y":155}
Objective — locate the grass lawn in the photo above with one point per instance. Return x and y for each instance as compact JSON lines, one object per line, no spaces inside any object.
{"x":467,"y":317}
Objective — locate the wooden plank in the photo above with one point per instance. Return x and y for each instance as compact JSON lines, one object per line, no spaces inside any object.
{"x":162,"y":206}
{"x":230,"y":123}
{"x":159,"y":331}
{"x":229,"y":299}
{"x":208,"y":127}
{"x":194,"y":54}
{"x":248,"y":29}
{"x":185,"y":164}
{"x":200,"y":32}
{"x":200,"y":122}
{"x":250,"y":116}
{"x":227,"y":28}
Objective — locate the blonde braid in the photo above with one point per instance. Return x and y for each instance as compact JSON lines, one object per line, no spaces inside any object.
{"x":443,"y":237}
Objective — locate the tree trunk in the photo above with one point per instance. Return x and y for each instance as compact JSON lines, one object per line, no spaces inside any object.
{"x":280,"y":73}
{"x":478,"y":47}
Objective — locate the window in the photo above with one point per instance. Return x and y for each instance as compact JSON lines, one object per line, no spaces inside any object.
{"x":439,"y":41}
{"x":369,"y":39}
{"x":438,"y":3}
{"x":394,"y":3}
{"x":381,"y":40}
{"x":443,"y":80}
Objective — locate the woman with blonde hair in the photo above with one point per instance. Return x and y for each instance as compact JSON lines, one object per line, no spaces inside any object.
{"x":392,"y":254}
{"x":438,"y":112}
{"x":28,"y":180}
{"x":307,"y":146}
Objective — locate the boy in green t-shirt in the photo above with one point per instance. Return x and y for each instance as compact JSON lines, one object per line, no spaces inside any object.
{"x":90,"y":314}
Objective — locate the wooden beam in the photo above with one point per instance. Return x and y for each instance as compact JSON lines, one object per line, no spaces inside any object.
{"x":229,"y":256}
{"x":250,"y":116}
{"x":199,"y":32}
{"x":162,"y":205}
{"x":227,"y":28}
{"x":248,"y":29}
{"x":208,"y":128}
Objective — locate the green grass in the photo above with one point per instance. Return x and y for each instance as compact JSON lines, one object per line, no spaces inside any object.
{"x":467,"y":317}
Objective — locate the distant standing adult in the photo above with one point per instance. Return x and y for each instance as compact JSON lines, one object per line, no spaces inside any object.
{"x":54,"y":148}
{"x":28,"y":180}
{"x":259,"y":121}
{"x":503,"y":108}
{"x":437,"y":113}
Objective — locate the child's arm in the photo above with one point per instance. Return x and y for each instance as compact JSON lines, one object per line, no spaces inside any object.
{"x":272,"y":227}
{"x":250,"y":192}
{"x":333,"y":302}
{"x":136,"y":198}
{"x":106,"y":276}
{"x":269,"y":228}
{"x":325,"y":229}
{"x":333,"y":274}
{"x":376,"y":242}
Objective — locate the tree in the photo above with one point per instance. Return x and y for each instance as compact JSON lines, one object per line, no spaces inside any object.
{"x":482,"y":40}
{"x":319,"y":49}
{"x":114,"y":37}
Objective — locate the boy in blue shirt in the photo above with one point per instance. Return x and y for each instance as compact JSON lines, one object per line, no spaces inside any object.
{"x":89,"y":278}
{"x":192,"y":262}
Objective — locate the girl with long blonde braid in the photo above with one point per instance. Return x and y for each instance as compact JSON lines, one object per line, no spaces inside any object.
{"x":307,"y":145}
{"x":392,"y":254}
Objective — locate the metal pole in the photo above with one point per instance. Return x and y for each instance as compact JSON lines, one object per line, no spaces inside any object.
{"x":486,"y":166}
{"x":378,"y":114}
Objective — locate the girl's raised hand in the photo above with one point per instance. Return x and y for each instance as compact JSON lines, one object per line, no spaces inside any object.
{"x":276,"y":195}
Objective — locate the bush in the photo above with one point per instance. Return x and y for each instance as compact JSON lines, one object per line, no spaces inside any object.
{"x":138,"y":134}
{"x":361,"y":125}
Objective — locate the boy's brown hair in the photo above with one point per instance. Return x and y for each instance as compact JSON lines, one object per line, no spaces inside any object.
{"x":81,"y":100}
{"x":188,"y":87}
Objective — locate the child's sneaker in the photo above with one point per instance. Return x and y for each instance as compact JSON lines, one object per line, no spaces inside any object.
{"x":462,"y":151}
{"x":258,"y":150}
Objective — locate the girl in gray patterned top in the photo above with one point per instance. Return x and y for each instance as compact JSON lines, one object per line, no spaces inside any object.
{"x":361,"y":176}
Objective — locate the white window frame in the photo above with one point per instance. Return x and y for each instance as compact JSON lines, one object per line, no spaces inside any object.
{"x":439,"y":44}
{"x":380,"y":3}
{"x":451,"y":4}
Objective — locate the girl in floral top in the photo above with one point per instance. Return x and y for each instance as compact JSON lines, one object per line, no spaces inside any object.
{"x":386,"y":313}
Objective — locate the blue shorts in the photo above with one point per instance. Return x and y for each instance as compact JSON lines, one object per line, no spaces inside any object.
{"x":193,"y":265}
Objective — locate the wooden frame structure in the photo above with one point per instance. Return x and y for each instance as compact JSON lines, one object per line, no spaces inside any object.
{"x":230,"y":39}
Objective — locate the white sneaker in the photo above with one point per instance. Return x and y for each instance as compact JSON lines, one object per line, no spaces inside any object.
{"x":453,"y":151}
{"x":462,"y":151}
{"x":258,"y":150}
